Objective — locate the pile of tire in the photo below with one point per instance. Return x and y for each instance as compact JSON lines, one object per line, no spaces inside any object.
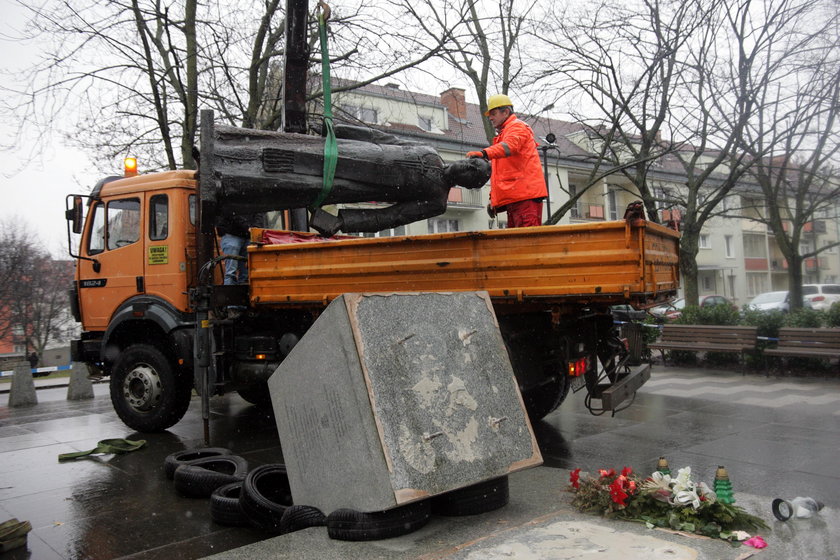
{"x":239,"y":496}
{"x":262,"y":498}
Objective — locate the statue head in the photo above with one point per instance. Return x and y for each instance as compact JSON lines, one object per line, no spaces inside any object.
{"x":471,"y":173}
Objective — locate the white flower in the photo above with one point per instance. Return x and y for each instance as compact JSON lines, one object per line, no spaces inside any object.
{"x":660,"y":480}
{"x":683,"y":480}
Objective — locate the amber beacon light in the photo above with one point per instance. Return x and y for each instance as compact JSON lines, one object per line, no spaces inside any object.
{"x":130,"y":166}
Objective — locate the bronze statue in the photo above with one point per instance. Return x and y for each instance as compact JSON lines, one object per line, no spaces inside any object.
{"x":255,"y":170}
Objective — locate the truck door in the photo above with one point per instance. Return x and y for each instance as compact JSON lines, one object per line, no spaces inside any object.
{"x":115,"y":244}
{"x":171,"y":232}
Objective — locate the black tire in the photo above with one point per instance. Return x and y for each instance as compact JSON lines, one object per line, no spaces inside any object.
{"x":472,"y":500}
{"x":539,"y":368}
{"x":175,"y":460}
{"x":146,"y":392}
{"x":296,"y":518}
{"x":200,"y":477}
{"x":265,"y":496}
{"x":256,"y":394}
{"x":352,"y":525}
{"x":225,"y":508}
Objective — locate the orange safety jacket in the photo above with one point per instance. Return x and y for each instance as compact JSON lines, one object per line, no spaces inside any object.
{"x":516,"y":169}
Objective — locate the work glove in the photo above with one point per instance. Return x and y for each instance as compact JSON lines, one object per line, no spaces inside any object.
{"x":481,"y":154}
{"x":491,"y":211}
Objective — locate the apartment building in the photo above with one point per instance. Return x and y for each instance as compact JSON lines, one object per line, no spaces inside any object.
{"x":738,"y":257}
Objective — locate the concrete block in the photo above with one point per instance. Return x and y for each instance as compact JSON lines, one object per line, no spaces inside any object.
{"x":22,"y":392}
{"x":80,"y":387}
{"x":391,"y":398}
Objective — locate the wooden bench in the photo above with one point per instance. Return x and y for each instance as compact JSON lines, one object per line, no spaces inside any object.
{"x":809,"y":343}
{"x":706,"y":338}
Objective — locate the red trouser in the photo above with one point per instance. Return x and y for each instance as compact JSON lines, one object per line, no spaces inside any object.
{"x":524,"y":213}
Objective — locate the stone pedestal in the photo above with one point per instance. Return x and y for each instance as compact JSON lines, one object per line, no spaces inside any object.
{"x":391,"y":398}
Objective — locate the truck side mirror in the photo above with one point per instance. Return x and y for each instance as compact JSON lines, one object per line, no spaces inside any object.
{"x":74,"y":214}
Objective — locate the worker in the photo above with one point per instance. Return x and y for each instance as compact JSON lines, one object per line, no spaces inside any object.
{"x":517,"y":185}
{"x":233,"y":229}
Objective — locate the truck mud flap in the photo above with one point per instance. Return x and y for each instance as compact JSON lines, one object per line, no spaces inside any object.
{"x":613,"y":394}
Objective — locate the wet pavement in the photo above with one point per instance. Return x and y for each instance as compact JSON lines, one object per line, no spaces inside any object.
{"x":777,"y":437}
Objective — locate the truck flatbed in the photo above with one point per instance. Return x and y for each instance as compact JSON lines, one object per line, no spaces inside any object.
{"x":607,"y":262}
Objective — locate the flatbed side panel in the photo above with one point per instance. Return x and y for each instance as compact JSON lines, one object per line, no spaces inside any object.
{"x":606,"y":260}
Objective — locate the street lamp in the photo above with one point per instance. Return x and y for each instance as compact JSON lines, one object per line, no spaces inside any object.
{"x":549,"y":139}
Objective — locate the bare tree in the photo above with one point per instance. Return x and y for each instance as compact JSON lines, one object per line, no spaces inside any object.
{"x":34,"y":301}
{"x":131,"y":74}
{"x":619,"y":64}
{"x":482,"y":42}
{"x":794,"y":137}
{"x":670,"y":87}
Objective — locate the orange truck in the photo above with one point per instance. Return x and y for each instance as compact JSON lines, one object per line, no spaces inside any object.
{"x":156,"y":316}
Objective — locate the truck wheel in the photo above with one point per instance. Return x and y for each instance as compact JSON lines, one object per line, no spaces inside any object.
{"x":256,"y":394}
{"x":145,"y":391}
{"x":541,"y":379}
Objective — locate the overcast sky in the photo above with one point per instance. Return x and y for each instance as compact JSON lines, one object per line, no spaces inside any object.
{"x":33,"y":192}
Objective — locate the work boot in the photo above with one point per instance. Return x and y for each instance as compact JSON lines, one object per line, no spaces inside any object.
{"x":325,"y":223}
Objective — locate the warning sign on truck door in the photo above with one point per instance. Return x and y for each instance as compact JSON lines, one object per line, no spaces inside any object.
{"x":159,"y":254}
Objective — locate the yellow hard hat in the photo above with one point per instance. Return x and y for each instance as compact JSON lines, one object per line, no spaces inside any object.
{"x":496,"y":101}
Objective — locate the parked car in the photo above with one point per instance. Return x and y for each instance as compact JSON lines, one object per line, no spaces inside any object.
{"x":673,"y":310}
{"x":820,"y":296}
{"x":769,"y":301}
{"x":627,"y":313}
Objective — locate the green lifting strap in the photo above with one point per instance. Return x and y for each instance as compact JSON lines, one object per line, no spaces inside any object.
{"x":114,"y":445}
{"x":330,"y":145}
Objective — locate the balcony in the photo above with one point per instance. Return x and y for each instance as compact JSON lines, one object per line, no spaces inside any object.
{"x":755,"y":263}
{"x":594,"y":211}
{"x":465,"y":198}
{"x":817,"y":226}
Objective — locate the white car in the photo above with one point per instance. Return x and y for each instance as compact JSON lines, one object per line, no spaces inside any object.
{"x":769,"y":301}
{"x":820,"y":296}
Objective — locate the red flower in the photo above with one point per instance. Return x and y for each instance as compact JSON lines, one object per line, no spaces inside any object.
{"x":617,"y":492}
{"x":606,"y":473}
{"x":626,"y":471}
{"x":574,"y":478}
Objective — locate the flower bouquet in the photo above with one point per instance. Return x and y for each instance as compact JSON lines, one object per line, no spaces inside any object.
{"x":660,"y":500}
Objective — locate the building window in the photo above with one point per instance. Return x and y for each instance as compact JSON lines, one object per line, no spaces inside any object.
{"x":708,"y":283}
{"x":755,"y":246}
{"x":364,"y":114}
{"x":424,"y":122}
{"x":575,"y":211}
{"x":443,"y":225}
{"x":756,"y":284}
{"x":727,"y":240}
{"x":391,"y":232}
{"x":613,"y":204}
{"x":704,"y":242}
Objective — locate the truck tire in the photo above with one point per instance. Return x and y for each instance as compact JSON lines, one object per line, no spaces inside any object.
{"x":472,"y":500}
{"x":265,"y":496}
{"x":297,"y":517}
{"x":542,"y":379}
{"x":352,"y":525}
{"x":198,"y":478}
{"x":175,"y":460}
{"x":146,"y":393}
{"x":256,"y":394}
{"x":225,"y":508}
